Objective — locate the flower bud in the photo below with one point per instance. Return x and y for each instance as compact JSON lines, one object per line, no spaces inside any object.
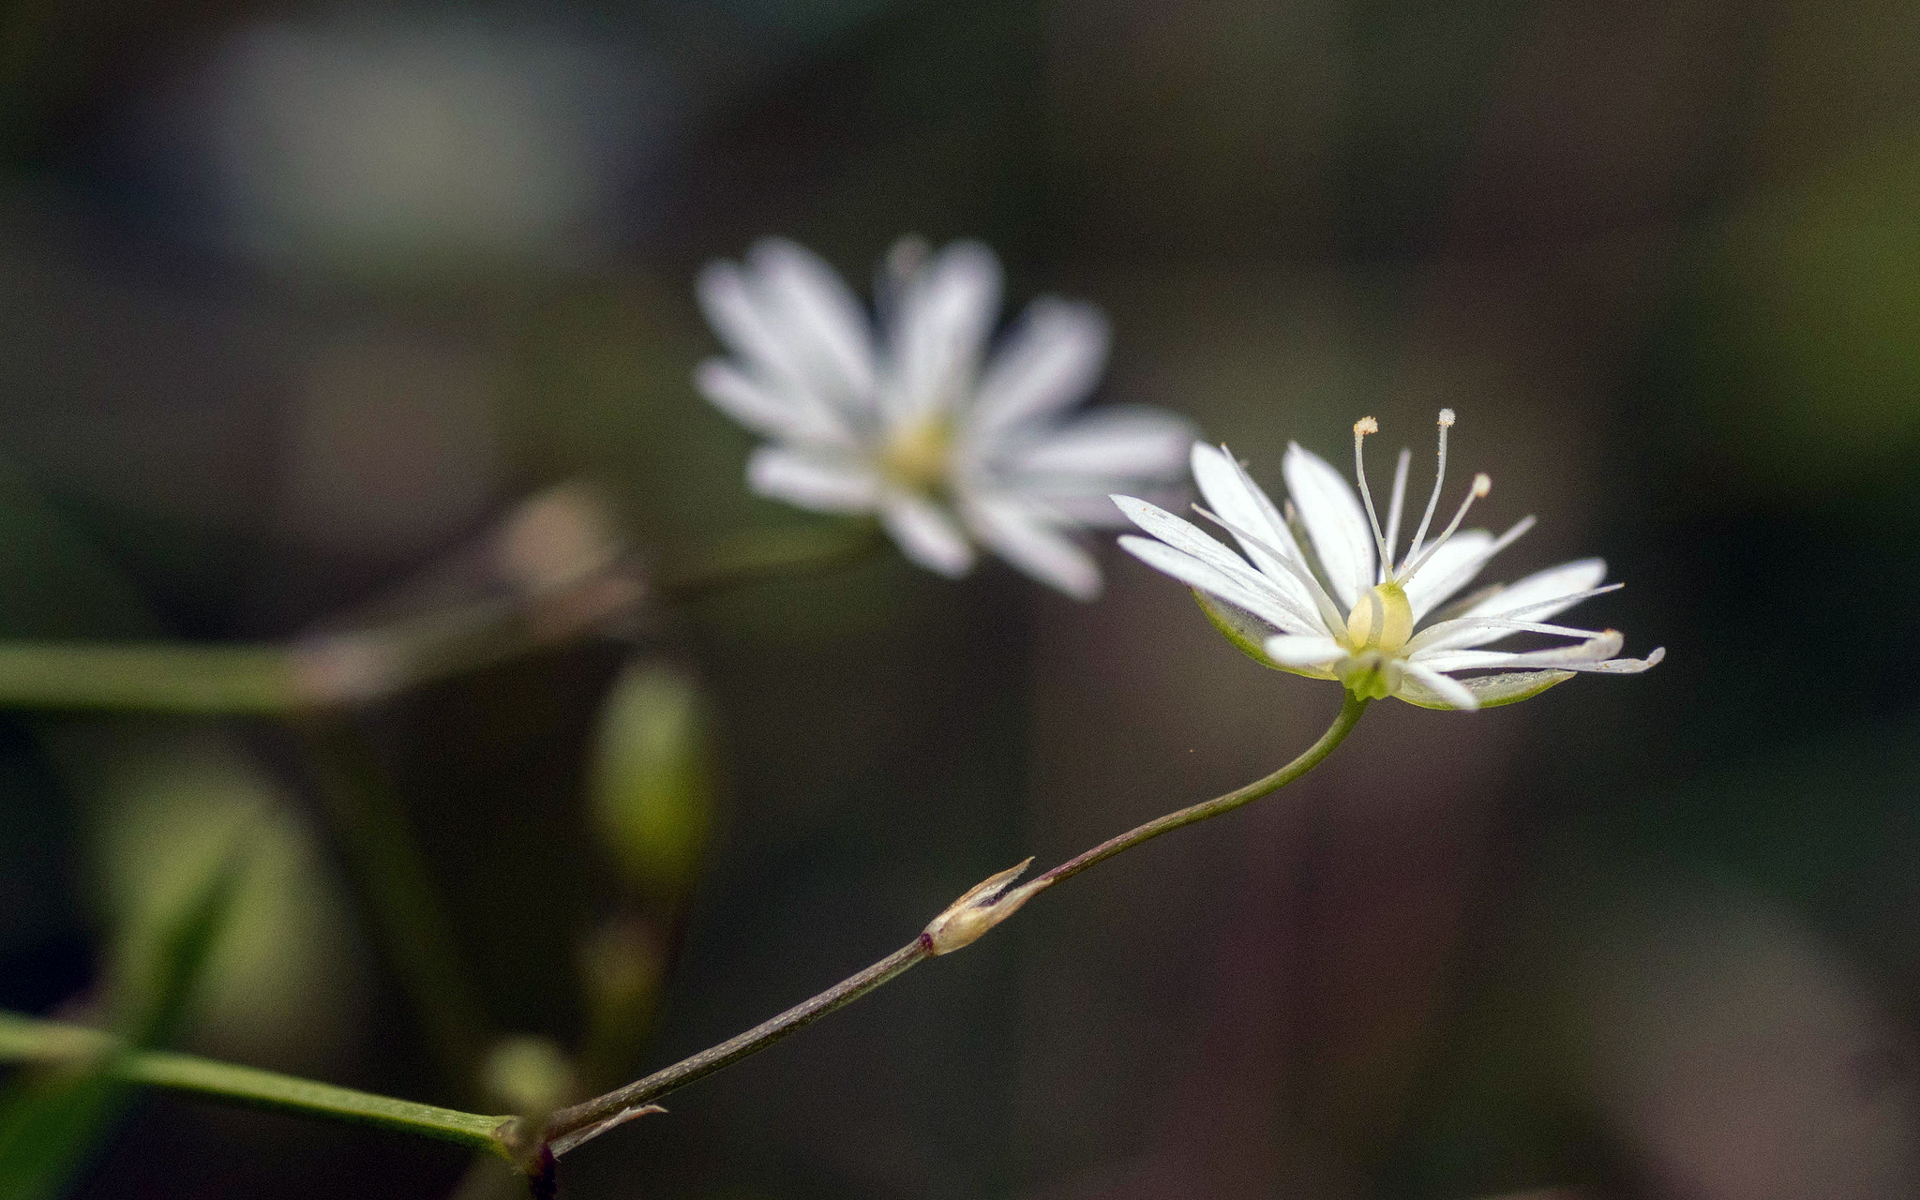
{"x":985,"y":905}
{"x":652,"y":777}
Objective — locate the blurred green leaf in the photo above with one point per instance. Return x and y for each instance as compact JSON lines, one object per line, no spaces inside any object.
{"x":652,"y":780}
{"x":50,"y":1120}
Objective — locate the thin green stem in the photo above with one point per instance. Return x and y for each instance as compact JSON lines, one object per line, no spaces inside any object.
{"x":357,"y":666}
{"x":409,"y":922}
{"x":1310,"y":758}
{"x":571,"y":1127}
{"x":51,"y":1043}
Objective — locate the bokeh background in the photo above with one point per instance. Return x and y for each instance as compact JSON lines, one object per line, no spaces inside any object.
{"x":298,"y":302}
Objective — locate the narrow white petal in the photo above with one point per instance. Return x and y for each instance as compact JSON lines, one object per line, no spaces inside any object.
{"x":1023,"y":538}
{"x":831,"y":338}
{"x":1239,"y":501}
{"x":1187,"y":537}
{"x":1196,"y":574}
{"x":1451,"y":568}
{"x":1304,"y":651}
{"x":945,"y":312}
{"x":787,"y":415}
{"x":926,"y":533}
{"x":1629,"y":666}
{"x":733,"y":309}
{"x":1566,"y":581}
{"x":1455,"y":693}
{"x":1049,"y":361}
{"x":1537,"y":597}
{"x":1440,"y":587}
{"x":1474,"y":631}
{"x":823,"y":483}
{"x":1114,"y":446}
{"x":1591,"y":651}
{"x":1341,"y":533}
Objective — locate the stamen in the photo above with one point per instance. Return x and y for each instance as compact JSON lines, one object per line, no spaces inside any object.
{"x":1393,"y":511}
{"x":1482,"y":484}
{"x":1439,"y":477}
{"x":1361,"y":428}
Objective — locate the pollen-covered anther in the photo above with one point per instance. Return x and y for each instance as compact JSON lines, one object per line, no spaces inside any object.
{"x":1364,"y":426}
{"x":1446,"y":417}
{"x":1482,"y":484}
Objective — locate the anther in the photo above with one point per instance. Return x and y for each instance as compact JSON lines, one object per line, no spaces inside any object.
{"x":1364,"y":426}
{"x":1446,"y":418}
{"x":1482,"y":484}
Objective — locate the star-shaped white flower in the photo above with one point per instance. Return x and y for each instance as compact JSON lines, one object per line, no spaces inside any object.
{"x":1321,"y":595}
{"x":909,"y":417}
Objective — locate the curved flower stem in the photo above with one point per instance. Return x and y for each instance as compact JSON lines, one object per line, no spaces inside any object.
{"x":572,"y":1127}
{"x":29,"y":1040}
{"x":1336,"y":733}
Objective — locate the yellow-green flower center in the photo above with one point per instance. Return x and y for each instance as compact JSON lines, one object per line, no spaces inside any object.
{"x":1382,"y":620}
{"x":916,"y":457}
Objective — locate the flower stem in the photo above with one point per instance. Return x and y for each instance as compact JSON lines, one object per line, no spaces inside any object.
{"x":571,"y":1127}
{"x":1310,"y":758}
{"x":29,"y":1040}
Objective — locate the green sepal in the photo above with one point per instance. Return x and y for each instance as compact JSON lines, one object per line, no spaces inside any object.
{"x":1248,"y":634}
{"x":1496,"y":690}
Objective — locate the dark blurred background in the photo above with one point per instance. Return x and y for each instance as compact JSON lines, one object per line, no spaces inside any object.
{"x":296,"y":301}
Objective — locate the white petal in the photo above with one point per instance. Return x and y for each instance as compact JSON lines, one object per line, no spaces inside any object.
{"x":1237,"y":500}
{"x":1537,"y":597}
{"x":1186,"y":537}
{"x":1018,"y":535}
{"x":926,"y":534}
{"x":1451,"y":568}
{"x":945,"y":313}
{"x":1304,"y":651}
{"x":829,"y":332}
{"x":1465,"y":631}
{"x":1050,"y":361}
{"x":1196,"y":574}
{"x":1441,"y":587}
{"x":1455,"y":693}
{"x":1629,"y":666}
{"x":1341,"y":534}
{"x":733,"y":309}
{"x":787,"y":415}
{"x":819,"y":482}
{"x":1490,"y":690}
{"x":1584,"y":655}
{"x":1112,"y":447}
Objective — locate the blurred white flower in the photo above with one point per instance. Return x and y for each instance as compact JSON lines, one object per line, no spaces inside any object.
{"x":910,"y":417}
{"x":1322,"y":597}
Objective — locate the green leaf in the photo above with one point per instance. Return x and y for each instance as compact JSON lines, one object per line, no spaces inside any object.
{"x":51,"y":1119}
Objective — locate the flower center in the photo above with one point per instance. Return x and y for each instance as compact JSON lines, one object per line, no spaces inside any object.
{"x":916,"y":457}
{"x":1382,"y":620}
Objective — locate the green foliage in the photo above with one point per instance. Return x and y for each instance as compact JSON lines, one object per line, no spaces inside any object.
{"x":50,"y":1119}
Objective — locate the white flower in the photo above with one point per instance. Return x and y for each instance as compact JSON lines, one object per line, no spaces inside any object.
{"x":1322,"y":597}
{"x":910,"y":418}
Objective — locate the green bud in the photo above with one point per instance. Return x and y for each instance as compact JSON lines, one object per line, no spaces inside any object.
{"x":651,"y":785}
